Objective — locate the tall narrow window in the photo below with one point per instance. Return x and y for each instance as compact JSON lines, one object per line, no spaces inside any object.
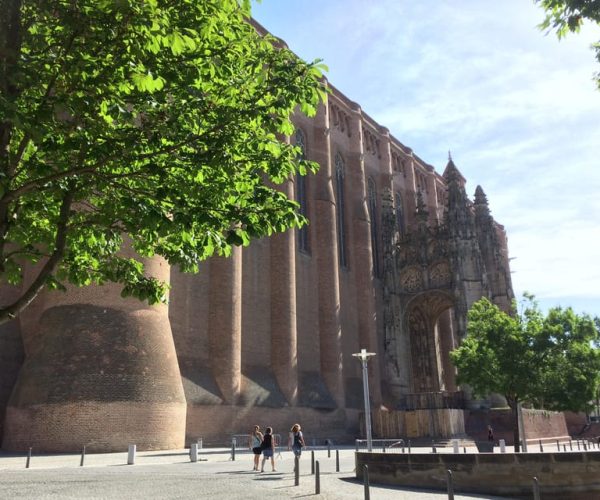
{"x":372,"y":194}
{"x":341,"y":222}
{"x":301,"y":197}
{"x":399,"y":214}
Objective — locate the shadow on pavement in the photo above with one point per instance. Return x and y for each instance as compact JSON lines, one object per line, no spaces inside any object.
{"x":418,"y":490}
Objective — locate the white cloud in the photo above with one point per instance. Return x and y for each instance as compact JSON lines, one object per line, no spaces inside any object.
{"x":518,"y":109}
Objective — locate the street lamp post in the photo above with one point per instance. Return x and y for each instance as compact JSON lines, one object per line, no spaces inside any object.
{"x":364,"y":356}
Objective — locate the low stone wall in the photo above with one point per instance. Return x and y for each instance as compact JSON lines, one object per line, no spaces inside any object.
{"x":568,"y":476}
{"x":539,"y":424}
{"x":542,"y":423}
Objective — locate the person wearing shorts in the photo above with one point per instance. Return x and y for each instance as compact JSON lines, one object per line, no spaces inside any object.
{"x":256,"y":439}
{"x":268,"y":448}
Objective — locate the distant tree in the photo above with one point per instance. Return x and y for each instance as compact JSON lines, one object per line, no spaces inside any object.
{"x":551,"y":361}
{"x":158,"y":122}
{"x":570,"y":360}
{"x":564,"y":16}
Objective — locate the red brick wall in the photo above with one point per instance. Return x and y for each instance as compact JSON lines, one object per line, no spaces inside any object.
{"x":100,"y":426}
{"x":216,"y":424}
{"x":538,"y":424}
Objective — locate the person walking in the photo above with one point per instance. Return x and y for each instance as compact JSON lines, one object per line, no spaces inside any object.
{"x":268,"y":448}
{"x":490,"y":434}
{"x":255,"y":442}
{"x":296,"y":440}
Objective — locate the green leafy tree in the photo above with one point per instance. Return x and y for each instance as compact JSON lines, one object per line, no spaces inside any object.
{"x":564,"y":16}
{"x":549,"y":361}
{"x":156,"y":122}
{"x":571,"y":361}
{"x":495,"y":356}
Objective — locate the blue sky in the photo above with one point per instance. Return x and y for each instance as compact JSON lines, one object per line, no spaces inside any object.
{"x":518,"y":110}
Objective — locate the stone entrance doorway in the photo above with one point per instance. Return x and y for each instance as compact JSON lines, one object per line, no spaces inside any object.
{"x":431,"y":337}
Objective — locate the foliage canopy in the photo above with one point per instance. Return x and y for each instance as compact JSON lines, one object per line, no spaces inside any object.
{"x":155,"y":122}
{"x":552,"y":361}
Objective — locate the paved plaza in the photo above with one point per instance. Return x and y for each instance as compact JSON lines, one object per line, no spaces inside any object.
{"x":170,"y":474}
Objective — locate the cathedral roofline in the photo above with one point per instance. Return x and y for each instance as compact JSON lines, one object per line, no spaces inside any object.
{"x":354,"y":106}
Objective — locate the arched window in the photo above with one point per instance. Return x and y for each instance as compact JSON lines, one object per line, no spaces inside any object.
{"x":372,"y":194}
{"x":340,"y":209}
{"x":301,"y":196}
{"x":399,"y":214}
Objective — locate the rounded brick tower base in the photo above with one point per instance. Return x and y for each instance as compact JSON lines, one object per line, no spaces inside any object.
{"x":102,"y":377}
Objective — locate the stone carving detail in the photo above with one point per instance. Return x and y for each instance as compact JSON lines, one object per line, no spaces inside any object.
{"x":440,"y":276}
{"x":432,"y":266}
{"x":390,"y":316}
{"x":411,"y":280}
{"x":423,"y":353}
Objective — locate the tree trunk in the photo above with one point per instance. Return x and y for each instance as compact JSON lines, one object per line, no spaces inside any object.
{"x":514,"y":406}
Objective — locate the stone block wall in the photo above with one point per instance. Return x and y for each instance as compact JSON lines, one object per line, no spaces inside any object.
{"x":564,"y":476}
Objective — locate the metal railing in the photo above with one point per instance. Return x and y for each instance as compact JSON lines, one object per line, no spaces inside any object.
{"x":395,"y":445}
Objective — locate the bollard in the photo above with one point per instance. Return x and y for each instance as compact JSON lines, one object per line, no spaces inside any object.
{"x":28,"y":459}
{"x":131,"y":454}
{"x":409,"y":446}
{"x":296,"y":471}
{"x":433,"y":450}
{"x":584,"y":446}
{"x":233,"y":450}
{"x":455,"y":446}
{"x":464,"y":449}
{"x":578,"y":447}
{"x":536,"y":489}
{"x":557,"y":445}
{"x":328,"y":449}
{"x":82,"y":457}
{"x":502,"y":444}
{"x":194,"y":452}
{"x":402,"y":446}
{"x":356,"y":444}
{"x":337,"y":460}
{"x":200,"y":443}
{"x":571,"y":444}
{"x":312,"y":462}
{"x":366,"y":482}
{"x":317,"y":479}
{"x":450,"y":485}
{"x":541,"y":446}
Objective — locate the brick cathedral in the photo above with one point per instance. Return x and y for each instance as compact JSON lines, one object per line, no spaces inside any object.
{"x":393,"y":257}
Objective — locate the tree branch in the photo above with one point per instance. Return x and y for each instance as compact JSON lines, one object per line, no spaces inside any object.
{"x":11,"y":311}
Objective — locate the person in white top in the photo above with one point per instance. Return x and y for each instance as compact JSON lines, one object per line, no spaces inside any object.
{"x":255,"y":443}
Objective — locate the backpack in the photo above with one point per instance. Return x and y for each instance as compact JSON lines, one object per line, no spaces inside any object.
{"x":297,"y":441}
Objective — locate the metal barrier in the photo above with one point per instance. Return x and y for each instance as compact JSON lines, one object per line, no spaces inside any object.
{"x":396,"y":445}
